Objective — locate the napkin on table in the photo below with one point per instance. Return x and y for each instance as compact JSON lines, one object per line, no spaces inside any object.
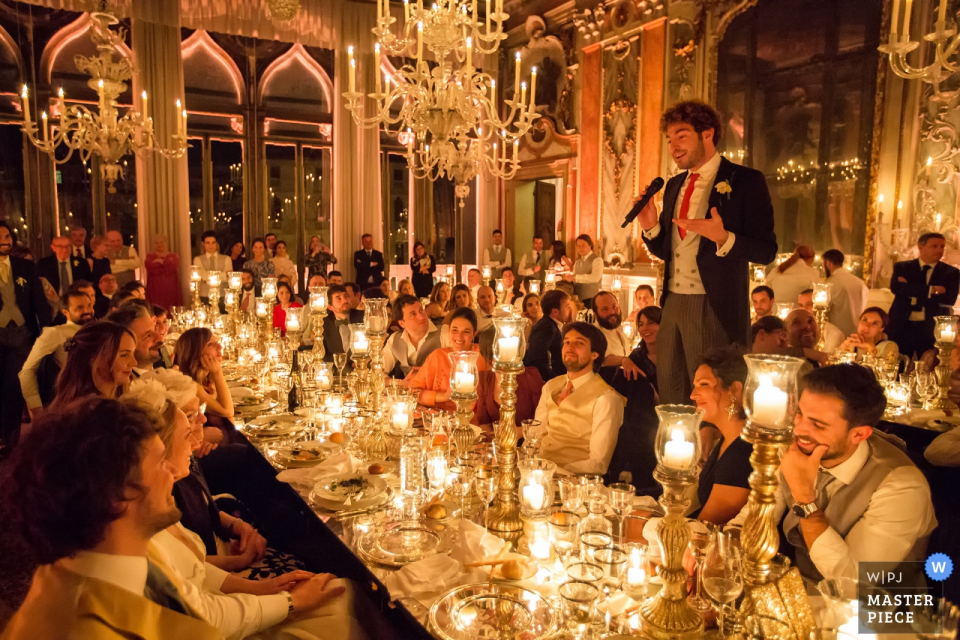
{"x":432,"y":574}
{"x":239,"y":393}
{"x":475,"y":543}
{"x":306,"y":478}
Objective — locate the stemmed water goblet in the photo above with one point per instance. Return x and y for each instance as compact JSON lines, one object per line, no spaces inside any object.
{"x":532,"y":433}
{"x":571,"y":493}
{"x":722,"y":576}
{"x":621,"y":496}
{"x":927,"y":385}
{"x":460,"y":479}
{"x":564,"y":534}
{"x":340,"y":362}
{"x":700,"y":537}
{"x":486,"y":480}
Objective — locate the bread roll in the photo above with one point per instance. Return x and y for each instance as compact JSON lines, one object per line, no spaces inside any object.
{"x":514,"y":570}
{"x":336,"y":437}
{"x":436,"y":511}
{"x":376,"y":469}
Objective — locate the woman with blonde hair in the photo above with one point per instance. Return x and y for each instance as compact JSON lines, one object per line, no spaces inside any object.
{"x":163,"y":275}
{"x":198,"y":355}
{"x":439,"y":299}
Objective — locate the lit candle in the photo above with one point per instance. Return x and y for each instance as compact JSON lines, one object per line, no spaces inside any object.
{"x":464,"y":382}
{"x":509,"y":346}
{"x":180,"y":120}
{"x":229,"y":298}
{"x":769,"y":403}
{"x":419,"y":44}
{"x":293,"y":321}
{"x":353,"y":69}
{"x":540,"y":549}
{"x":376,"y":62}
{"x":261,"y":309}
{"x":360,"y":344}
{"x":534,"y":496}
{"x":678,"y":453}
{"x":487,"y":13}
{"x":533,"y":89}
{"x":947,"y":335}
{"x":63,"y":107}
{"x":406,"y":13}
{"x":400,"y":420}
{"x":516,"y":76}
{"x":469,"y":55}
{"x":143,"y":105}
{"x":100,"y":92}
{"x":523,"y":94}
{"x":46,"y":134}
{"x":323,"y":381}
{"x":26,"y":104}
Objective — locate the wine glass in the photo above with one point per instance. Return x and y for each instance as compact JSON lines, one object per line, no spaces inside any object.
{"x":486,"y":485}
{"x":621,"y":496}
{"x":340,"y":362}
{"x":722,"y":577}
{"x":927,"y":386}
{"x":571,"y":493}
{"x":532,"y":433}
{"x":564,"y":528}
{"x":698,"y":543}
{"x":578,"y":600}
{"x":460,"y":479}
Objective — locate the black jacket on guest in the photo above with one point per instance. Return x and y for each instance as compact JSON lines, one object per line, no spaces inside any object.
{"x":747,"y":211}
{"x":908,"y":284}
{"x":544,"y":349}
{"x":332,"y":338}
{"x":48,"y":267}
{"x":362,"y":262}
{"x":29,"y":295}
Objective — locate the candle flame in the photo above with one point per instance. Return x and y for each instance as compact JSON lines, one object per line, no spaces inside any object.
{"x":23,"y":94}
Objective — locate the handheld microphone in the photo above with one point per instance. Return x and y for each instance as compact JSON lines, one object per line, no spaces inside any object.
{"x":651,"y":191}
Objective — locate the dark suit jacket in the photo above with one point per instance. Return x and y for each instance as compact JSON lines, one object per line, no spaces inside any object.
{"x":916,"y":286}
{"x":48,"y":267}
{"x":36,"y":311}
{"x":544,"y":349}
{"x":747,"y":212}
{"x":101,"y":305}
{"x":635,"y":451}
{"x":361,"y":262}
{"x":332,"y":340}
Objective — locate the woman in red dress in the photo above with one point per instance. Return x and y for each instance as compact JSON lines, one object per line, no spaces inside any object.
{"x":163,"y":275}
{"x":285,"y":302}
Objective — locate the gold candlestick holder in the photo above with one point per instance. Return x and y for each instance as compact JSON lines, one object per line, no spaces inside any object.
{"x":821,"y":303}
{"x":376,"y":320}
{"x":945,"y":331}
{"x":318,"y":312}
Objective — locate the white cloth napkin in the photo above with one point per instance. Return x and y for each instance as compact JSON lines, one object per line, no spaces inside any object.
{"x":239,"y":393}
{"x":433,"y":574}
{"x":645,"y":502}
{"x":475,"y":543}
{"x":338,"y":463}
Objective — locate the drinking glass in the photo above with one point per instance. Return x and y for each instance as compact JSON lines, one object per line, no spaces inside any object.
{"x":700,"y":536}
{"x":578,"y":600}
{"x":564,"y":527}
{"x":571,"y":493}
{"x":722,"y":577}
{"x":593,"y":541}
{"x":585,"y":572}
{"x":340,"y":362}
{"x":460,"y":478}
{"x":532,"y":433}
{"x":621,"y":497}
{"x":614,"y":563}
{"x":486,"y":485}
{"x":927,"y":387}
{"x":436,"y":469}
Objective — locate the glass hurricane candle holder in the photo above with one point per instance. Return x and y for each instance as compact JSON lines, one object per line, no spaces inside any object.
{"x":318,"y":300}
{"x":536,"y":487}
{"x":821,"y":294}
{"x":509,"y":345}
{"x":230,"y":299}
{"x":359,"y":343}
{"x":678,"y":437}
{"x":486,"y":273}
{"x":464,"y":373}
{"x":616,"y":285}
{"x":784,"y":309}
{"x":770,"y":393}
{"x":261,"y":308}
{"x":945,"y":329}
{"x":550,"y":280}
{"x":635,"y":580}
{"x":213,"y":280}
{"x":401,"y":414}
{"x":235,"y":280}
{"x":268,"y":288}
{"x":323,"y":375}
{"x":535,"y":287}
{"x":376,"y":317}
{"x":195,"y":274}
{"x":292,"y":321}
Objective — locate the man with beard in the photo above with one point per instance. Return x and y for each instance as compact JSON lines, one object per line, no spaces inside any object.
{"x":582,"y":413}
{"x":87,"y":490}
{"x":849,"y":494}
{"x":545,"y":344}
{"x":803,"y":335}
{"x":606,"y":307}
{"x":717,"y":218}
{"x":406,"y":351}
{"x":336,"y":324}
{"x":137,"y":316}
{"x":79,"y":311}
{"x":248,"y":296}
{"x":24,"y":311}
{"x":762,"y":298}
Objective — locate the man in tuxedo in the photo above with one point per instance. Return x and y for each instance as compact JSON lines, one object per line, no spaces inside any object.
{"x":336,"y":329}
{"x":99,"y":576}
{"x":545,"y":345}
{"x":108,"y":287}
{"x":717,"y":218}
{"x":24,"y":311}
{"x":78,"y":243}
{"x":62,"y":268}
{"x":923,"y":289}
{"x":368,"y":263}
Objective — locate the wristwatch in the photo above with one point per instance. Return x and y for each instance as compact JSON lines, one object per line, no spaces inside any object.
{"x":804,"y":510}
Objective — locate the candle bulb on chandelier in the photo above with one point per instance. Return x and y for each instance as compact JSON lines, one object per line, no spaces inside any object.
{"x":419,"y":44}
{"x":61,"y":104}
{"x":487,"y":13}
{"x":26,"y":104}
{"x":516,"y":76}
{"x":533,"y":89}
{"x":179,"y":120}
{"x":46,"y":135}
{"x":406,"y":13}
{"x":353,"y":69}
{"x":523,"y":94}
{"x":469,"y":55}
{"x":493,"y":90}
{"x":183,"y":124}
{"x":100,"y":91}
{"x":376,"y":61}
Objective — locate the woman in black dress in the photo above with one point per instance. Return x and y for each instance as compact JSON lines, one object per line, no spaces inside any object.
{"x":98,"y":260}
{"x":645,"y":355}
{"x":422,"y":265}
{"x":718,"y":391}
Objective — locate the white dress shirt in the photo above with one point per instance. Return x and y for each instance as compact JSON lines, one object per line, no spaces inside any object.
{"x":618,"y":344}
{"x":50,"y":341}
{"x":848,"y":297}
{"x":607,"y":419}
{"x":685,"y":276}
{"x":484,"y":319}
{"x":79,"y":252}
{"x":832,"y":337}
{"x":944,"y":451}
{"x":507,"y":260}
{"x":126,"y":572}
{"x":130,"y":263}
{"x":596,"y":269}
{"x":208,"y":262}
{"x":900,"y":512}
{"x":236,"y":615}
{"x":390,"y":361}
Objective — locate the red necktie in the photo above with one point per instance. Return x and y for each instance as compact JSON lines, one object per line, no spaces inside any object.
{"x":685,"y":204}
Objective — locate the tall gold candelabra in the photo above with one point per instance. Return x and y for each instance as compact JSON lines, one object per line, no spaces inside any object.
{"x":376,"y":319}
{"x":945,"y":331}
{"x":821,"y":302}
{"x":318,"y":311}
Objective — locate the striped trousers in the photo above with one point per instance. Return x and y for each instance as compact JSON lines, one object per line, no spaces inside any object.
{"x":688,"y":329}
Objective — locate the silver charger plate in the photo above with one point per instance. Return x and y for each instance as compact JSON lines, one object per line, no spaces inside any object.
{"x":481,"y":611}
{"x":425,"y":542}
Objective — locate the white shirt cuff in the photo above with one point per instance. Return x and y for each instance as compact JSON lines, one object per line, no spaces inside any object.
{"x":653,"y":232}
{"x":725,"y":249}
{"x":273,"y":609}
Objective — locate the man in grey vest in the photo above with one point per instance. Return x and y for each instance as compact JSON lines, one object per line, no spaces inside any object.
{"x":212,"y":260}
{"x":533,"y":264}
{"x":850,"y":494}
{"x":405,"y":351}
{"x":587,"y":271}
{"x":124,"y":260}
{"x":498,"y":256}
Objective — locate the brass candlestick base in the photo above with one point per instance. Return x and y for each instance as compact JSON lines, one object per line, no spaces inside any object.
{"x":943,"y":402}
{"x":462,"y":434}
{"x":316,"y":327}
{"x":667,"y":615}
{"x":820,"y":312}
{"x":376,"y":371}
{"x":503,"y":516}
{"x":195,"y":300}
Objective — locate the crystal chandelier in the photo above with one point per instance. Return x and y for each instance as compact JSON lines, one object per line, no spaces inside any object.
{"x":105,"y":133}
{"x":899,"y":45}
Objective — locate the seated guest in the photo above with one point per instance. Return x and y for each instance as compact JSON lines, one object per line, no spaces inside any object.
{"x":433,"y":378}
{"x":486,"y":305}
{"x":582,"y":413}
{"x":163,"y":325}
{"x":248,"y":292}
{"x":389,"y":293}
{"x":405,"y":288}
{"x":606,"y":307}
{"x":762,"y":298}
{"x":137,"y":316}
{"x":487,"y":412}
{"x":334,"y":277}
{"x":405,"y":351}
{"x":356,"y":295}
{"x":336,"y":331}
{"x":439,"y":299}
{"x":460,"y":297}
{"x":511,"y":287}
{"x":544,"y":345}
{"x":718,"y":391}
{"x":643,"y":297}
{"x":802,"y":336}
{"x":136,"y":288}
{"x":768,"y":335}
{"x":198,"y":355}
{"x":285,"y":302}
{"x":87,"y":490}
{"x":849,"y":495}
{"x":474,"y":280}
{"x":645,"y":355}
{"x":871,"y":338}
{"x":108,"y":287}
{"x":100,"y":359}
{"x":118,"y":300}
{"x":531,"y":309}
{"x":316,"y":280}
{"x":833,"y":337}
{"x":38,"y":389}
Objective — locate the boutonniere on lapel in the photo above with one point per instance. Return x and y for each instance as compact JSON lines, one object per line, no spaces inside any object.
{"x":724,"y":188}
{"x":76,"y":262}
{"x":22,"y":282}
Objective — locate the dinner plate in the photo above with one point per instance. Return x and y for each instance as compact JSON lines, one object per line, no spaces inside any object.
{"x":477,"y":611}
{"x":340,"y":488}
{"x":360,"y":505}
{"x":388,"y":466}
{"x":235,"y":384}
{"x":273,"y":426}
{"x":453,"y":510}
{"x":422,"y":541}
{"x":306,"y":454}
{"x":251,"y":409}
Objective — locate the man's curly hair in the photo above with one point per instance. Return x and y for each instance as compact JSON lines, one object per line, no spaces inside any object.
{"x":699,"y":115}
{"x":69,"y":478}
